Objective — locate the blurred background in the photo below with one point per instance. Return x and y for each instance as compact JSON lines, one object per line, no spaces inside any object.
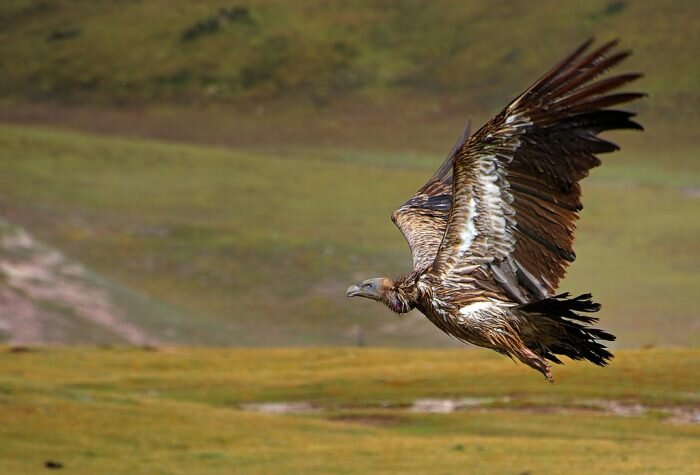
{"x":218,"y":172}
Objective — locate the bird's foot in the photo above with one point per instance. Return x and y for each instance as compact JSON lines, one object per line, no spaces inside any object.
{"x":548,"y":374}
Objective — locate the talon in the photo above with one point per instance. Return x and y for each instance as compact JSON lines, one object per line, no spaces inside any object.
{"x":548,"y":375}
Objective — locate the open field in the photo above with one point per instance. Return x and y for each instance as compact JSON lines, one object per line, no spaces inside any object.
{"x":313,"y":124}
{"x":245,"y":247}
{"x":178,"y":410}
{"x":178,"y":178}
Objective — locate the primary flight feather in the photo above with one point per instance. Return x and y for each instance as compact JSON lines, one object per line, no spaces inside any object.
{"x":491,"y":232}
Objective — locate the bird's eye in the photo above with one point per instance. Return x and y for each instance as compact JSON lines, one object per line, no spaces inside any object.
{"x":368,"y":285}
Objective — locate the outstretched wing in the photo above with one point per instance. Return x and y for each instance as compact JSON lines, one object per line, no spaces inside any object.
{"x":516,"y":195}
{"x":423,"y":218}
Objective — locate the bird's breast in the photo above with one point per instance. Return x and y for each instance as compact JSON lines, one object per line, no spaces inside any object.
{"x":482,"y":311}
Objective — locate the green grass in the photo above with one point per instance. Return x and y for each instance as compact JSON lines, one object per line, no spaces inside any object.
{"x":334,"y":115}
{"x":121,"y":51}
{"x":258,"y":249}
{"x":177,"y":411}
{"x":240,"y":243}
{"x":371,"y":75}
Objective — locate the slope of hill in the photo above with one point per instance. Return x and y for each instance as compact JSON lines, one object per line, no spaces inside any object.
{"x":46,"y":297}
{"x":257,"y":249}
{"x":183,"y":411}
{"x":126,"y":51}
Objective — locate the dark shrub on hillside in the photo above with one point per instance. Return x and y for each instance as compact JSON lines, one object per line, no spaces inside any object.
{"x":216,"y":22}
{"x":64,"y":33}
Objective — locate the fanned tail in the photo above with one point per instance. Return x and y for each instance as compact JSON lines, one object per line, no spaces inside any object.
{"x":563,"y":331}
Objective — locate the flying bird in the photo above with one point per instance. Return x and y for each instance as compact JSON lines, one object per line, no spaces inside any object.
{"x":491,"y":232}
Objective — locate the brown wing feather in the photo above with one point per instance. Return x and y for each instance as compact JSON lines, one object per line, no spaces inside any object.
{"x":423,"y":218}
{"x":516,"y":194}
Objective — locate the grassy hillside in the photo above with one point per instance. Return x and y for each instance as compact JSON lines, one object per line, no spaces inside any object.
{"x":258,"y":249}
{"x":47,"y":297}
{"x":125,"y":51}
{"x":198,"y":411}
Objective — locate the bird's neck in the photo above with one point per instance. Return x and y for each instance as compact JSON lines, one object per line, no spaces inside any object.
{"x":401,"y":297}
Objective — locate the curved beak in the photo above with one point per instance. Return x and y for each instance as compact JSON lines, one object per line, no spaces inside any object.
{"x":370,"y":289}
{"x":354,"y":290}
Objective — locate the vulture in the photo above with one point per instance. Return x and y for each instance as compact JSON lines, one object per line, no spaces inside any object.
{"x":491,"y":232}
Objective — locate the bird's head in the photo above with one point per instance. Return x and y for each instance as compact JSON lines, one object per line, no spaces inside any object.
{"x":382,"y":289}
{"x":371,"y":289}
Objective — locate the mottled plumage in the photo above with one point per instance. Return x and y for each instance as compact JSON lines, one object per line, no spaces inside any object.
{"x":491,"y":232}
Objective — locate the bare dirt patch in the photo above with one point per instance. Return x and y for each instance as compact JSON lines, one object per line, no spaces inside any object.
{"x":671,"y":414}
{"x":40,"y":290}
{"x":301,"y":407}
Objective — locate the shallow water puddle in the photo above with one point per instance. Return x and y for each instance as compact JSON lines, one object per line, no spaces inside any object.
{"x":671,"y":414}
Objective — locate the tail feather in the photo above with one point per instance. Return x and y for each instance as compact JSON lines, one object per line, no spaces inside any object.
{"x":563,"y":331}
